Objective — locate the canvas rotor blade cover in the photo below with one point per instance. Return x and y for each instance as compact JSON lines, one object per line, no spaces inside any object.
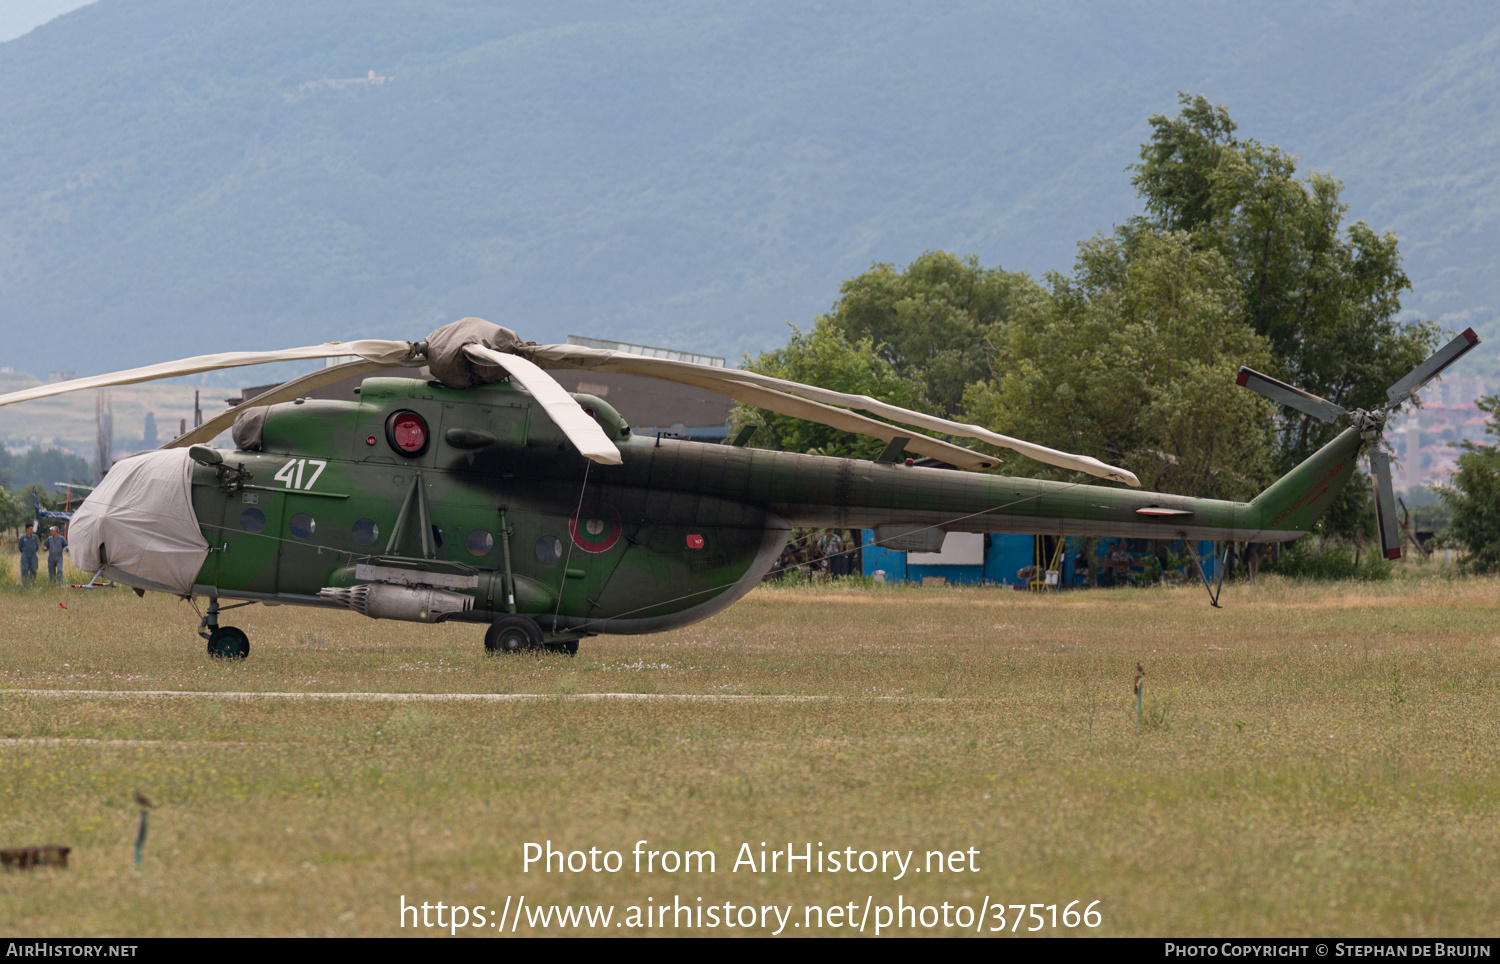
{"x":142,"y":514}
{"x":452,"y":366}
{"x":576,"y":424}
{"x":841,"y":419}
{"x":370,"y":349}
{"x":602,"y":359}
{"x":286,"y":392}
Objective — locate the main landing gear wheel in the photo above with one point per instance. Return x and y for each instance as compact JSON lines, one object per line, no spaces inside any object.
{"x":512,"y":634}
{"x":226,"y":642}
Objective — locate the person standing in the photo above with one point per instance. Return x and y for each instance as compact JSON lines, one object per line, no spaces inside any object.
{"x":28,"y":545}
{"x":55,"y":545}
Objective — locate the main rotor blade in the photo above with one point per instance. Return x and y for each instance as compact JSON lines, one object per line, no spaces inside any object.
{"x":577,"y":425}
{"x":370,"y":349}
{"x":1385,"y":504}
{"x":1432,"y":367}
{"x":1289,"y":395}
{"x":600,"y":359}
{"x":295,"y":388}
{"x":842,"y":419}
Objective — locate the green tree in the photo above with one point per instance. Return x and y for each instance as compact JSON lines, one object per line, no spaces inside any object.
{"x":13,"y":513}
{"x":1325,"y":298}
{"x":827,"y":358}
{"x":1473,"y":493}
{"x":941,"y":320}
{"x":1134,"y":363}
{"x":46,"y":466}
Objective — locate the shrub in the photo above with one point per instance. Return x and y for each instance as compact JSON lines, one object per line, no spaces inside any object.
{"x":1474,"y":496}
{"x":1329,"y":560}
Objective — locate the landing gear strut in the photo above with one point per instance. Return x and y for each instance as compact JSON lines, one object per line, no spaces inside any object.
{"x":513,"y":634}
{"x":224,"y":642}
{"x":519,"y":634}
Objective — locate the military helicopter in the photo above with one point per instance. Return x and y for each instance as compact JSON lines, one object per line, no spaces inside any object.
{"x":489,"y":494}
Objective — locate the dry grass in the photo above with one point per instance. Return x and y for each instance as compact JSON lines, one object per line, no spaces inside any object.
{"x":1312,"y":759}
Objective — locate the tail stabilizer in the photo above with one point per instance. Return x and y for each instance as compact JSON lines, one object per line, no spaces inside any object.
{"x":1298,"y":499}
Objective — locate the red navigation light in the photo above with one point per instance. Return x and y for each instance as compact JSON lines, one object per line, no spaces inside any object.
{"x":407,"y":433}
{"x":370,"y":440}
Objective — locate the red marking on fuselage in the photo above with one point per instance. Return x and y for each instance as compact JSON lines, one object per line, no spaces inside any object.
{"x":1313,"y":493}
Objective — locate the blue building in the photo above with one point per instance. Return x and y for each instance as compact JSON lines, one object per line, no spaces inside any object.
{"x":974,"y":558}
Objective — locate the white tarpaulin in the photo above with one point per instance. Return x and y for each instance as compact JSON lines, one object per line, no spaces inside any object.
{"x":142,"y":516}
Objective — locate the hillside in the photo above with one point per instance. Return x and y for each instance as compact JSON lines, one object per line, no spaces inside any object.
{"x":175,"y":180}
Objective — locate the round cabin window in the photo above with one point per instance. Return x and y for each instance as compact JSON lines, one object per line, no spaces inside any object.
{"x":253,"y":521}
{"x":302,"y":526}
{"x":366,"y":532}
{"x":480,"y":542}
{"x":407,"y":433}
{"x":549,"y":549}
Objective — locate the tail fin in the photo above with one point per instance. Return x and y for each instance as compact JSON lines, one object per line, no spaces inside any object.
{"x":1298,"y":499}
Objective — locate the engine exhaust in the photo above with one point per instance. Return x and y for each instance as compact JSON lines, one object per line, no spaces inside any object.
{"x":411,"y":603}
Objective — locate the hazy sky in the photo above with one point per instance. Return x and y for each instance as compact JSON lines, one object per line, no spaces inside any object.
{"x":22,"y":16}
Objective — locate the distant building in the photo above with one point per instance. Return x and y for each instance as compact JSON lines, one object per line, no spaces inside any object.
{"x":369,"y":79}
{"x":1001,"y":559}
{"x":712,"y":361}
{"x":650,"y":405}
{"x":66,"y":375}
{"x":1426,"y":440}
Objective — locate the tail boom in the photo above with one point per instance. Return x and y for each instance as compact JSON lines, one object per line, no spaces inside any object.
{"x":843,"y":493}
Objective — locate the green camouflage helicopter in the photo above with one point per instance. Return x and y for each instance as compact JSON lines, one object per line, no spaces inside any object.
{"x":489,"y":494}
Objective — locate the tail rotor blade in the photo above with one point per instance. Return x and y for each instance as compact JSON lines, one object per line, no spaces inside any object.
{"x":1289,"y":395}
{"x":1385,"y":505}
{"x":1432,"y":367}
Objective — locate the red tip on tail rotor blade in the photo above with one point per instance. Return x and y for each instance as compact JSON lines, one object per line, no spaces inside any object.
{"x":1393,"y":553}
{"x":1243,"y":378}
{"x":1432,"y":367}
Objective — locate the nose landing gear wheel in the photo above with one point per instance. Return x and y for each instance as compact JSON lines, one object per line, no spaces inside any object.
{"x":227,"y":642}
{"x":512,"y":634}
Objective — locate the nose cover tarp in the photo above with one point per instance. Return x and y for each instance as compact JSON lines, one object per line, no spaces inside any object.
{"x":142,"y":514}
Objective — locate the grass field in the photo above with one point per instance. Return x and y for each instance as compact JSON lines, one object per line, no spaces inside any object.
{"x":1308,"y":760}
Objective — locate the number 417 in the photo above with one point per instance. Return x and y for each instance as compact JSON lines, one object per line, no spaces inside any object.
{"x":291,"y":473}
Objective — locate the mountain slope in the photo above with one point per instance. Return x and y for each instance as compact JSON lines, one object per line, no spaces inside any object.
{"x":676,"y":173}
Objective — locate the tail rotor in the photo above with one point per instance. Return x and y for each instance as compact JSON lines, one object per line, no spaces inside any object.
{"x":1385,"y":504}
{"x":1371,"y":423}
